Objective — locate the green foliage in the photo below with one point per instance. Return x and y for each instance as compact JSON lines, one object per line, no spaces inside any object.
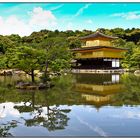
{"x":58,"y":65}
{"x":74,"y":42}
{"x":15,"y":38}
{"x":135,"y":58}
{"x":58,"y":55}
{"x":5,"y":43}
{"x":131,"y":59}
{"x":120,"y":43}
{"x":119,"y":32}
{"x":28,"y":58}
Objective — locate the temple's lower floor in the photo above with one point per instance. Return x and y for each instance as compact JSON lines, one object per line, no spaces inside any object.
{"x":98,"y":63}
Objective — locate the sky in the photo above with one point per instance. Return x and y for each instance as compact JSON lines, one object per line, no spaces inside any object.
{"x":24,"y":18}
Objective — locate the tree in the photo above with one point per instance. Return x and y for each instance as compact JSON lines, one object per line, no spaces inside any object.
{"x":5,"y":43}
{"x":58,"y":55}
{"x":134,"y":35}
{"x":15,"y":38}
{"x":126,"y":62}
{"x":135,"y":58}
{"x":74,"y":42}
{"x":119,"y":43}
{"x":29,"y":59}
{"x":118,"y":32}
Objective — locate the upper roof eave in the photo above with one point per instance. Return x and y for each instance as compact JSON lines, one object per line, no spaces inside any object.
{"x":97,"y":34}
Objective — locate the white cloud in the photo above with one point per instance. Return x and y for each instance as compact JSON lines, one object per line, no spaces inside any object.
{"x":89,"y":21}
{"x":13,"y":25}
{"x":42,"y":18}
{"x":38,"y":19}
{"x":128,"y":15}
{"x":69,"y":26}
{"x":81,"y":10}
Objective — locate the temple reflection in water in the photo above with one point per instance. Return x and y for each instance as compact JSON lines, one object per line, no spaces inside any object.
{"x":98,"y":89}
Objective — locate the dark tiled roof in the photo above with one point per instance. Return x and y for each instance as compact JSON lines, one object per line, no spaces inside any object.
{"x":97,"y":47}
{"x":98,"y":34}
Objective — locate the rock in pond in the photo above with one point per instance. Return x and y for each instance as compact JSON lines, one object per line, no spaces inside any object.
{"x":6,"y":72}
{"x":42,"y":86}
{"x":30,"y":86}
{"x":137,"y":72}
{"x":19,"y":72}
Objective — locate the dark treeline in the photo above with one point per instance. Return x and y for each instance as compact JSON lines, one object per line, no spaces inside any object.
{"x":50,"y":49}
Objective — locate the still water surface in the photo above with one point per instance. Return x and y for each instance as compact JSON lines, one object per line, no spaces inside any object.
{"x":80,"y":105}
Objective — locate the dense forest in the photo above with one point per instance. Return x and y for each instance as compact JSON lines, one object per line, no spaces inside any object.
{"x":51,"y":49}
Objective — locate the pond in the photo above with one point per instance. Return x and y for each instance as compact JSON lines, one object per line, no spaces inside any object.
{"x":79,"y":105}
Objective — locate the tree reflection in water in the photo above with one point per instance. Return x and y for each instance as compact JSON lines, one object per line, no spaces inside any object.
{"x":5,"y":128}
{"x":131,"y":94}
{"x":55,"y":118}
{"x":50,"y":117}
